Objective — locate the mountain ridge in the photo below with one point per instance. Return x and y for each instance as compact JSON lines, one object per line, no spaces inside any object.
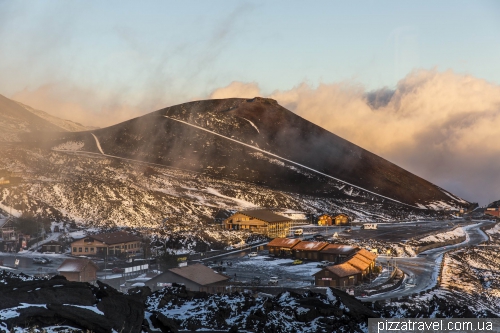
{"x":224,"y":137}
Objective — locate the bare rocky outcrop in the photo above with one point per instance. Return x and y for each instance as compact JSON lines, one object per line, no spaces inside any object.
{"x":57,"y":301}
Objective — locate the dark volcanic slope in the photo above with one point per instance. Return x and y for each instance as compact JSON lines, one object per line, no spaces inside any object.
{"x":252,"y":140}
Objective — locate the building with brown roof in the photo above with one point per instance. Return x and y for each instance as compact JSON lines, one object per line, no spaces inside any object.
{"x":348,"y":273}
{"x":52,"y":246}
{"x":367,"y":254}
{"x":197,"y":277}
{"x":308,"y":250}
{"x":337,"y":253}
{"x":282,"y":246}
{"x":81,"y":270}
{"x":342,"y":275}
{"x":261,"y":221}
{"x":107,"y":244}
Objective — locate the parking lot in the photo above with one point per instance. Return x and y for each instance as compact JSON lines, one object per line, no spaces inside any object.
{"x":242,"y":268}
{"x":27,"y":266}
{"x":401,"y":232}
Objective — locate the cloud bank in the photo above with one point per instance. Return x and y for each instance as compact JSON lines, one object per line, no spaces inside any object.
{"x":442,"y":126}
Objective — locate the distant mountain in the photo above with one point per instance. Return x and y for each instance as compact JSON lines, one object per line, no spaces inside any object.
{"x":17,"y":118}
{"x":260,"y":142}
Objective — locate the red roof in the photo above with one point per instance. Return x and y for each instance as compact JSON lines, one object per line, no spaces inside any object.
{"x":310,"y":246}
{"x":339,"y":249}
{"x":284,"y":242}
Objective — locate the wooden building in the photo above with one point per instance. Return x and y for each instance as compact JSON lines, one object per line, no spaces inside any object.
{"x":337,"y":253}
{"x":308,"y":250}
{"x":261,"y":221}
{"x":325,"y":220}
{"x":339,"y":219}
{"x":492,"y":211}
{"x":343,"y":275}
{"x":197,"y":277}
{"x":348,"y":273}
{"x":282,"y":246}
{"x":11,"y":240}
{"x":81,"y":270}
{"x":106,"y":244}
{"x":52,"y":246}
{"x":342,"y":219}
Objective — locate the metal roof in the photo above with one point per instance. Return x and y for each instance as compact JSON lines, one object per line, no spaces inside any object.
{"x":199,"y":274}
{"x":75,"y":265}
{"x":284,"y":242}
{"x":115,"y":237}
{"x":339,"y":249}
{"x":310,"y":246}
{"x":264,"y":215}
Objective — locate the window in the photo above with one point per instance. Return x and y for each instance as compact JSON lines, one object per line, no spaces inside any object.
{"x":91,"y":249}
{"x":74,"y":249}
{"x":86,"y":249}
{"x":79,"y":249}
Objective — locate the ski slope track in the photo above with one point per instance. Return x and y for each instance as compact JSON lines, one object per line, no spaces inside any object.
{"x":287,"y":160}
{"x":98,"y":143}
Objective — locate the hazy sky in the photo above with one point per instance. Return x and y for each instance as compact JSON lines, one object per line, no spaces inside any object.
{"x":99,"y":63}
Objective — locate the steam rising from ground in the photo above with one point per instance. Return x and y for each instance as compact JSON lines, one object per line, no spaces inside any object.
{"x":442,"y":126}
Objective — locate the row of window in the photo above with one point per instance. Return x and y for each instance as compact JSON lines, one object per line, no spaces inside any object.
{"x":91,"y":249}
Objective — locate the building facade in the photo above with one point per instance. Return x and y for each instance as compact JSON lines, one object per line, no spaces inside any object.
{"x":197,"y":277}
{"x":110,"y":244}
{"x":282,"y":246}
{"x":309,"y":250}
{"x":80,"y":270}
{"x":260,"y":221}
{"x":52,"y":246}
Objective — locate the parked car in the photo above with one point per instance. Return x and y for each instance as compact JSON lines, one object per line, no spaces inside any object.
{"x":297,"y":262}
{"x":117,"y":270}
{"x":273,"y":280}
{"x":298,"y":232}
{"x":41,"y":260}
{"x":323,"y":264}
{"x":253,"y":254}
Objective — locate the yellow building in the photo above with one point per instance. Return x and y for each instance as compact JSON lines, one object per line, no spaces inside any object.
{"x":324,"y":220}
{"x":341,"y":219}
{"x":106,"y":244}
{"x":261,"y":221}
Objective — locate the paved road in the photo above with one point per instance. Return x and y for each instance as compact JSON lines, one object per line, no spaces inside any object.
{"x":423,"y":270}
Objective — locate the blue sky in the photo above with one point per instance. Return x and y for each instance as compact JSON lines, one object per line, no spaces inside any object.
{"x":190,"y":48}
{"x":103,"y":62}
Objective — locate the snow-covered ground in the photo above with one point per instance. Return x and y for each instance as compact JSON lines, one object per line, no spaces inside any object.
{"x":444,"y":236}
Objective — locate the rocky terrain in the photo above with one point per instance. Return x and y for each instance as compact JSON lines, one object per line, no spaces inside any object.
{"x":57,"y":305}
{"x":174,"y":169}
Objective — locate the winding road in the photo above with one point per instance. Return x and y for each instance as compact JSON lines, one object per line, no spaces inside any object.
{"x":423,"y":270}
